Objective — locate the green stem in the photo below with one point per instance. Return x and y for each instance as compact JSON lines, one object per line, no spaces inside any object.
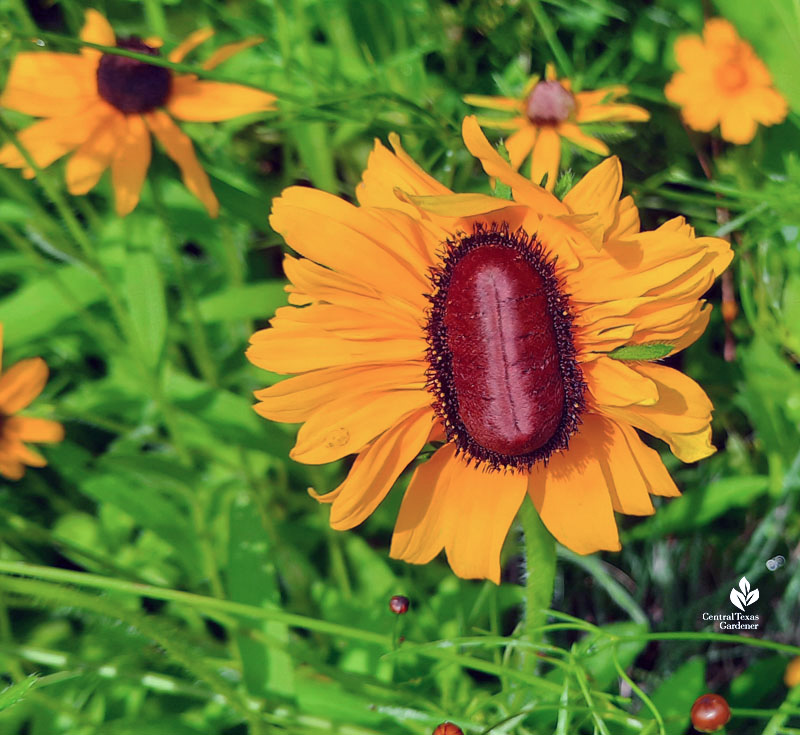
{"x":552,"y":39}
{"x":540,"y":562}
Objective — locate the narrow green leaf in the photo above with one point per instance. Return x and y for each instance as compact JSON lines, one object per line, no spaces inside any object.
{"x":11,"y":695}
{"x":146,"y":303}
{"x":674,"y":697}
{"x":653,"y":351}
{"x":250,"y":301}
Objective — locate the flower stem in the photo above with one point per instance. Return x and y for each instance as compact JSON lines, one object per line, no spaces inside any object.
{"x":540,"y":572}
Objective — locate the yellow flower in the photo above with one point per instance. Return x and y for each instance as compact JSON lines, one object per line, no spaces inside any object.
{"x":722,"y":82}
{"x":549,"y":111}
{"x":19,"y":386}
{"x":484,"y":326}
{"x":104,"y":107}
{"x":791,"y":676}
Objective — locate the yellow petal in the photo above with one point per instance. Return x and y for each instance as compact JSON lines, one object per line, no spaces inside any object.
{"x":598,"y":192}
{"x":493,"y":103}
{"x":575,"y":135}
{"x":546,"y":157}
{"x":96,"y":29}
{"x":377,"y":468}
{"x":572,"y":494}
{"x":613,"y":113}
{"x":659,"y":481}
{"x":93,"y":157}
{"x":737,"y":125}
{"x":21,"y":383}
{"x":520,"y":144}
{"x":178,"y":147}
{"x":191,"y":42}
{"x":29,"y":429}
{"x":130,"y":163}
{"x":344,"y":426}
{"x":612,"y":383}
{"x":196,"y":100}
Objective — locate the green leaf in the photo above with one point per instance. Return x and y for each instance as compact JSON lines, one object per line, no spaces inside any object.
{"x":700,"y":506}
{"x":11,"y":695}
{"x":252,"y":300}
{"x":253,"y":579}
{"x":146,"y":304}
{"x":596,"y":653}
{"x":675,"y":696}
{"x":652,"y":351}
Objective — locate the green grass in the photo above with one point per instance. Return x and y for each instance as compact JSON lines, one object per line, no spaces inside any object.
{"x":167,"y":573}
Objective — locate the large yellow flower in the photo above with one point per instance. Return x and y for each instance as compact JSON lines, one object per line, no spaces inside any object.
{"x":19,"y":386}
{"x":549,"y":111}
{"x":722,"y":82}
{"x":484,"y":326}
{"x":104,"y":107}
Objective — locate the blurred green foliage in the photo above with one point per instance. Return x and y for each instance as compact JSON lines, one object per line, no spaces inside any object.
{"x":183,"y":582}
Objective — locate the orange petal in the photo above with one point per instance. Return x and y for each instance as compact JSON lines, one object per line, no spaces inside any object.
{"x":223,"y":53}
{"x":387,"y":172}
{"x":377,"y":468}
{"x":21,"y":383}
{"x":345,"y":426}
{"x":524,"y":191}
{"x":420,"y":532}
{"x":130,"y":163}
{"x":626,"y":481}
{"x":10,"y":467}
{"x":46,"y":84}
{"x":546,"y":157}
{"x":598,"y":192}
{"x":29,"y":429}
{"x":196,"y":100}
{"x":191,"y":42}
{"x":47,"y":140}
{"x":572,"y":494}
{"x":294,"y":400}
{"x":737,"y":124}
{"x":179,"y":148}
{"x":93,"y":157}
{"x":575,"y":135}
{"x":659,"y":481}
{"x":520,"y":145}
{"x":626,"y":220}
{"x":480,"y":508}
{"x":612,"y":383}
{"x":96,"y":29}
{"x":613,"y":113}
{"x":681,"y":417}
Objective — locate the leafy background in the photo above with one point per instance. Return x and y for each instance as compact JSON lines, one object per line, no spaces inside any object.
{"x":179,"y":578}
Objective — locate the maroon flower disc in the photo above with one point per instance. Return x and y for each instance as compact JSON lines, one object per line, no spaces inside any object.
{"x":549,"y":103}
{"x":131,"y":85}
{"x":709,"y":713}
{"x":398,"y":604}
{"x":502,"y":361}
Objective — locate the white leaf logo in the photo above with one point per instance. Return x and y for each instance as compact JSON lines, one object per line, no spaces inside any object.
{"x":745,"y":597}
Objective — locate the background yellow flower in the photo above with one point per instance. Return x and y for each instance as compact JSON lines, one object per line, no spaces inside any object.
{"x":722,"y":82}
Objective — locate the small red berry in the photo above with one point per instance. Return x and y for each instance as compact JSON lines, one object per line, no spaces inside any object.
{"x":448,"y":728}
{"x":398,"y":605}
{"x":710,"y":712}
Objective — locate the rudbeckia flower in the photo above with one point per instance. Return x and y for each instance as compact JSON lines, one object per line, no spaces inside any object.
{"x":19,"y":386}
{"x":722,"y":82}
{"x":547,"y":112}
{"x":486,"y":327}
{"x":105,"y":106}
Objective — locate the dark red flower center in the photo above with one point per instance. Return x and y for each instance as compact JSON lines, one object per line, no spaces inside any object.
{"x":549,"y":103}
{"x":502,"y":361}
{"x":131,"y":85}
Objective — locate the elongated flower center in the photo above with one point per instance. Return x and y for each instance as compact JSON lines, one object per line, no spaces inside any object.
{"x":502,"y":360}
{"x":133,"y":86}
{"x":549,"y":103}
{"x":731,"y":76}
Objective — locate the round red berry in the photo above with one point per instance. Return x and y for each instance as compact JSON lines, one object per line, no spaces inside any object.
{"x":448,"y":728}
{"x":398,"y":604}
{"x":710,"y":712}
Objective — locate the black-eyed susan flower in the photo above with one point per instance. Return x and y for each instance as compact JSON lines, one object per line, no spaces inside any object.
{"x":103,"y":108}
{"x":19,"y":386}
{"x":488,"y":328}
{"x":547,"y":112}
{"x":722,"y":82}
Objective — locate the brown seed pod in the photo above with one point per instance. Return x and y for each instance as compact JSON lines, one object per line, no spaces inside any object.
{"x":448,"y":728}
{"x":710,"y":712}
{"x":399,"y":605}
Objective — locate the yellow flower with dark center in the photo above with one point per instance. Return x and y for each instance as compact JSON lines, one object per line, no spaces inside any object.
{"x":484,"y":326}
{"x":722,"y":82}
{"x":19,"y":386}
{"x":548,"y":111}
{"x":105,"y":106}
